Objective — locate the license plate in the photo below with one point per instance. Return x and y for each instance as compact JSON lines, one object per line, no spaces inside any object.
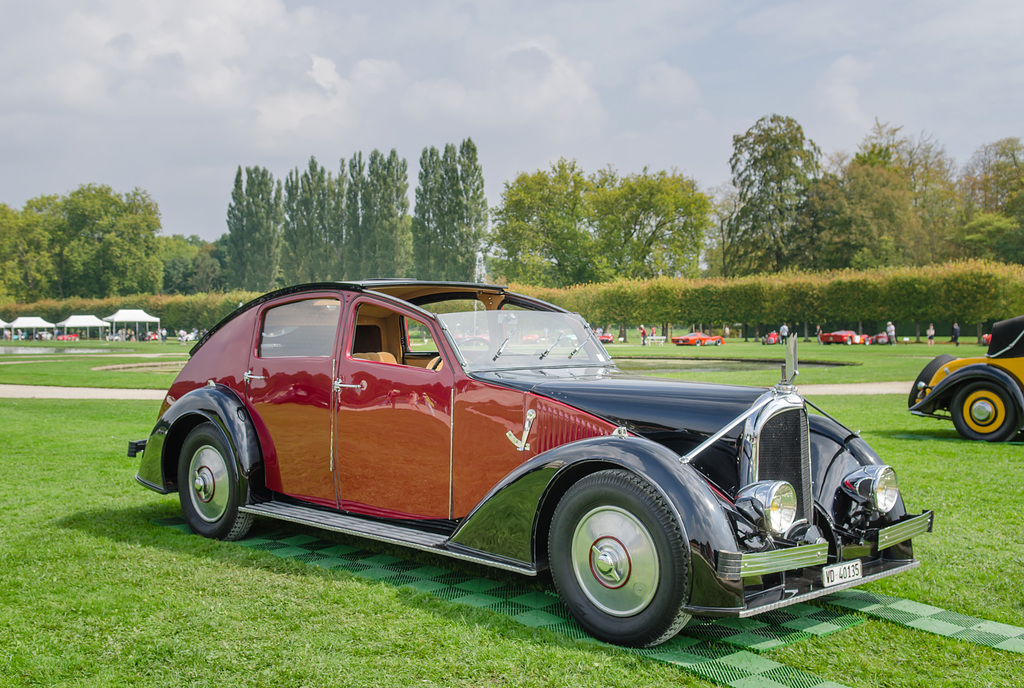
{"x":841,"y":573}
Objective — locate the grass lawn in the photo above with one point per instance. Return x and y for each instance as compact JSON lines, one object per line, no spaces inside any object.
{"x":94,"y":595}
{"x":51,"y":365}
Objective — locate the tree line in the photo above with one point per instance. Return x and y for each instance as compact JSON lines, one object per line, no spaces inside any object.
{"x":898,"y":201}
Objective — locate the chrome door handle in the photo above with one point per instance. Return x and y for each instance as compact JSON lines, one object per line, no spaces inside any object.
{"x":339,"y":385}
{"x":249,"y":376}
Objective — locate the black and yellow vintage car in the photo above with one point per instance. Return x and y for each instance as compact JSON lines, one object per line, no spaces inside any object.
{"x":982,"y":395}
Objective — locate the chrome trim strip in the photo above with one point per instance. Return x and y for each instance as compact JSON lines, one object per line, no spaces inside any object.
{"x":911,"y":528}
{"x":758,"y":405}
{"x":381,"y":532}
{"x":734,"y":565}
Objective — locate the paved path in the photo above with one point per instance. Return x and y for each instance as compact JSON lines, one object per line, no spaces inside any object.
{"x":34,"y":392}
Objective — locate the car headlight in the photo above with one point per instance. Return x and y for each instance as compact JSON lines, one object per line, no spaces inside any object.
{"x":771,"y":502}
{"x":876,"y":485}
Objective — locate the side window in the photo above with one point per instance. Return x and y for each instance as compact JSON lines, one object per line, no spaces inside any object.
{"x":418,"y":336}
{"x":387,"y":336}
{"x":300,"y":329}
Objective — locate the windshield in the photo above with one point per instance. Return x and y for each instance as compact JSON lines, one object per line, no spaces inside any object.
{"x":496,"y":340}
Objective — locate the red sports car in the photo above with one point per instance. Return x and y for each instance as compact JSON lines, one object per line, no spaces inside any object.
{"x":880,"y":338}
{"x":67,"y":338}
{"x":697,"y":339}
{"x":605,"y":338}
{"x":843,"y":337}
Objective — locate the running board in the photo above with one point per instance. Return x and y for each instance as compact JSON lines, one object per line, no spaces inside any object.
{"x":382,"y":532}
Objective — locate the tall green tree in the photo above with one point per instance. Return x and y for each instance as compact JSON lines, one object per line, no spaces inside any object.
{"x":26,"y":268}
{"x":541,"y":233}
{"x":313,"y":237}
{"x":451,"y":213}
{"x":649,"y":224}
{"x":773,"y":166}
{"x":355,"y":224}
{"x":254,"y":220}
{"x":386,"y":246}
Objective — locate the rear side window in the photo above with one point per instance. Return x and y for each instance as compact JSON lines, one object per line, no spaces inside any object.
{"x":300,"y":329}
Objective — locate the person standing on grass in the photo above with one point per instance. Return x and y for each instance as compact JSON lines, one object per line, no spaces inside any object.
{"x":956,"y":334}
{"x":890,"y":332}
{"x":783,"y":333}
{"x":931,"y":334}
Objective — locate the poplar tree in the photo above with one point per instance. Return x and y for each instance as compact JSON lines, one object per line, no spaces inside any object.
{"x":313,"y":232}
{"x":254,"y":220}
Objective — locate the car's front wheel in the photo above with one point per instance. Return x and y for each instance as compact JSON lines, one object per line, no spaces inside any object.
{"x":984,"y":411}
{"x":207,"y":488}
{"x":619,"y":560}
{"x":697,"y":343}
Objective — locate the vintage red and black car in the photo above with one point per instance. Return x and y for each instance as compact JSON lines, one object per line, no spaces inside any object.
{"x":485,"y":425}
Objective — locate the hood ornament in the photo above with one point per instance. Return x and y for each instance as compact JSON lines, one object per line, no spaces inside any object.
{"x":790,"y":369}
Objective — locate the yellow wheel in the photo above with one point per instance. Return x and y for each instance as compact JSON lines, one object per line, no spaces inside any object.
{"x":984,"y":411}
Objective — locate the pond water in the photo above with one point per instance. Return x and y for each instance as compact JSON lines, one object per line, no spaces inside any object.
{"x":42,"y":351}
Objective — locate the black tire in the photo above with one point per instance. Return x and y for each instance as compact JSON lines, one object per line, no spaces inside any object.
{"x":927,"y":374}
{"x":984,"y":411}
{"x":208,"y":486}
{"x":619,"y":559}
{"x":697,"y":343}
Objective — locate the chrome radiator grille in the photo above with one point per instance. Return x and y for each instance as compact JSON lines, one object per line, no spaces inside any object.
{"x":784,"y":453}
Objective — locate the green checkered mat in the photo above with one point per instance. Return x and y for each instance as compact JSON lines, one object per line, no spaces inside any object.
{"x":715,"y":650}
{"x":927,"y":618}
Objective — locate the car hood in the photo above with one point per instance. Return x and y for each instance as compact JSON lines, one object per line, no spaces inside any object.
{"x":645,"y":405}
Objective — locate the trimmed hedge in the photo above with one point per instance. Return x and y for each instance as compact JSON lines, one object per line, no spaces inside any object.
{"x":970,"y":292}
{"x":176,"y":312}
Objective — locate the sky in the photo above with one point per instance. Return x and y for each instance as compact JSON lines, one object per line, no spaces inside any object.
{"x":173,"y":96}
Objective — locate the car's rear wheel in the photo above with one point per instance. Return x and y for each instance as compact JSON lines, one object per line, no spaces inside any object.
{"x":927,"y":374}
{"x":619,"y":560}
{"x":697,"y":343}
{"x":984,"y":411}
{"x":718,"y":342}
{"x":207,"y":488}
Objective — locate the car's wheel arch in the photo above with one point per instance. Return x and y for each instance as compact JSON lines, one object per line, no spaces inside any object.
{"x":215,"y":404}
{"x":942,"y":394}
{"x":539,"y":484}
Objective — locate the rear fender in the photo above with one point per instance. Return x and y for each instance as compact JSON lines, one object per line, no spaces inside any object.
{"x":512,"y":521}
{"x":941,"y":395}
{"x":214,"y":403}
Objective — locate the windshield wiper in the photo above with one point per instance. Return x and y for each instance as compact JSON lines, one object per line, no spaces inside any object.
{"x":501,"y":349}
{"x":590,"y":334}
{"x":553,"y":345}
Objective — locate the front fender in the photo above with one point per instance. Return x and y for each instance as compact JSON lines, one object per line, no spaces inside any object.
{"x":217,"y":404}
{"x":941,"y":395}
{"x":512,"y":520}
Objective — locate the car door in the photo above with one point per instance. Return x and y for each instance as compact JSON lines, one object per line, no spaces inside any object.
{"x":288,"y":385}
{"x":394,"y":415}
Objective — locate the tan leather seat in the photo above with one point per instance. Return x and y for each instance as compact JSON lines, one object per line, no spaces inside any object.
{"x":379,"y":356}
{"x":436,"y":363}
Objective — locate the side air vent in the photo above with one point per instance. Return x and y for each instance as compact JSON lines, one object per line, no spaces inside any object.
{"x":784,"y":453}
{"x":557,"y":425}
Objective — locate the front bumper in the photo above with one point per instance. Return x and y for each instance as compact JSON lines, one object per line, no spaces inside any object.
{"x":801,"y":568}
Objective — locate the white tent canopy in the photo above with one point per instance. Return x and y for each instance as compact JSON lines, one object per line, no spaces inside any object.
{"x":86,"y":322}
{"x":133,"y":316}
{"x":3,"y":323}
{"x":83,"y":321}
{"x":31,"y":322}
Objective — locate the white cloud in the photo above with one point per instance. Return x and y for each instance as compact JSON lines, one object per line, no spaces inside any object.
{"x":526,"y":85}
{"x":666,"y":84}
{"x":837,"y":92}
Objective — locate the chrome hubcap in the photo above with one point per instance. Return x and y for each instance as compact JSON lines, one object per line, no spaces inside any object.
{"x":208,"y":471}
{"x":982,"y":412}
{"x":615,"y":561}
